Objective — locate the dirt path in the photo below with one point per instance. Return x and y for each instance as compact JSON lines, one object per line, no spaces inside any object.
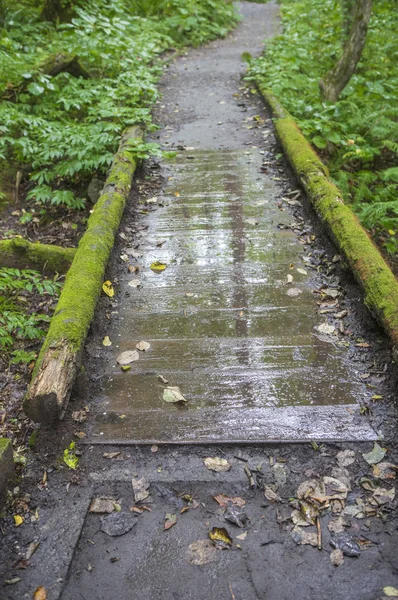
{"x":232,"y":321}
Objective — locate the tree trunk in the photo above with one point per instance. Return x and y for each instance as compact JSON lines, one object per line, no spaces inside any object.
{"x":336,"y":80}
{"x":57,"y":11}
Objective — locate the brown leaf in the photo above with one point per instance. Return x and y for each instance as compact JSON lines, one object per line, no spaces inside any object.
{"x":171,"y":520}
{"x":40,"y":594}
{"x":223,"y":500}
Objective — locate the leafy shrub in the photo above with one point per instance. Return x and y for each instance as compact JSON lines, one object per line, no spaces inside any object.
{"x":17,"y":325}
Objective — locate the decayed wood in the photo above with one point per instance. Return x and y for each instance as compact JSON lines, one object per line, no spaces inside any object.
{"x":54,"y":381}
{"x":60,"y":357}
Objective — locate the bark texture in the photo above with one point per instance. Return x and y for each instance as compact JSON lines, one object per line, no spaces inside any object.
{"x":336,"y":80}
{"x":60,"y":357}
{"x":372,"y":273}
{"x":18,"y":253}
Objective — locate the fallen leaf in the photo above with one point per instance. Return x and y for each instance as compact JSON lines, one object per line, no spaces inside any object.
{"x":345,"y":458}
{"x":303,"y":537}
{"x":330,"y":293}
{"x":336,"y":557}
{"x":79,"y":416}
{"x":40,"y":594}
{"x":128,"y":357}
{"x":217,"y":464}
{"x":375,"y":456}
{"x":14,"y":580}
{"x":290,"y":278}
{"x":201,"y":552}
{"x":18,"y":520}
{"x":143,"y":346}
{"x":223,"y":500}
{"x":177,"y":194}
{"x":158,"y":266}
{"x":154,"y":448}
{"x":102,"y":505}
{"x":134,"y":283}
{"x":293,"y":292}
{"x":326,"y":328}
{"x":390,"y":591}
{"x":173,"y":394}
{"x":33,"y":546}
{"x":385,"y":470}
{"x":163,"y":379}
{"x":111,"y":454}
{"x":220,"y":537}
{"x":152,"y":200}
{"x":270,"y":494}
{"x":125,"y":368}
{"x":383,"y":495}
{"x":242,"y":536}
{"x":170,"y":521}
{"x":106,"y":341}
{"x":140,"y":489}
{"x":70,"y":458}
{"x":107,"y":287}
{"x":302,"y":271}
{"x":251,"y":221}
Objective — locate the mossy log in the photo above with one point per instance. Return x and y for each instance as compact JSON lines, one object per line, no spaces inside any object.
{"x":18,"y":253}
{"x":63,"y":63}
{"x":60,"y":357}
{"x":374,"y":276}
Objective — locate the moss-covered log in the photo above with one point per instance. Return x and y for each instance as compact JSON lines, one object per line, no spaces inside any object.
{"x":368,"y":266}
{"x":60,"y":356}
{"x":18,"y":253}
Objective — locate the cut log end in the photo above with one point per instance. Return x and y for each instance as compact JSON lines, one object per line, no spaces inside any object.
{"x":51,"y":386}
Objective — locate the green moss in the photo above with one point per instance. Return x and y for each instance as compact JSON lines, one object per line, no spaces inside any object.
{"x":19,"y":253}
{"x":368,"y":266}
{"x":4,"y":445}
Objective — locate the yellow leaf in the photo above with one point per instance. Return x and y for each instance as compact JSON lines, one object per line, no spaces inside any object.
{"x":391,"y":231}
{"x":108,"y":289}
{"x":177,"y":194}
{"x":40,"y":594}
{"x":106,"y":341}
{"x":158,"y":266}
{"x":18,"y":520}
{"x":390,"y":591}
{"x":221,"y":537}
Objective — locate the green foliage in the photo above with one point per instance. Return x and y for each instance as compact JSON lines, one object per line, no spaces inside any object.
{"x":65,"y":129}
{"x":358,"y":135}
{"x":17,"y":324}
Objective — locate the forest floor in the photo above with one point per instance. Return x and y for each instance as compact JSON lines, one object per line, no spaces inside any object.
{"x":288,"y":382}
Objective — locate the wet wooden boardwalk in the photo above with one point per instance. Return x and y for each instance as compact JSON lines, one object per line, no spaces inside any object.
{"x":232,"y":321}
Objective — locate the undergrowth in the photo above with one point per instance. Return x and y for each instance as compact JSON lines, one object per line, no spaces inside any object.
{"x":60,"y":131}
{"x":358,"y":135}
{"x":21,"y":293}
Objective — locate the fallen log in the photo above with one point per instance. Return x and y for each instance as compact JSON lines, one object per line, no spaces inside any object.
{"x":18,"y":253}
{"x":60,"y":357}
{"x":369,"y":268}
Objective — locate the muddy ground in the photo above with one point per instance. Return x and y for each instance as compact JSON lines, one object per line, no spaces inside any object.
{"x":164,"y":549}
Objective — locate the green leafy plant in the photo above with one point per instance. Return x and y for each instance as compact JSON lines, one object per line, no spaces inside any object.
{"x":358,"y":135}
{"x":63,"y":129}
{"x":18,"y":322}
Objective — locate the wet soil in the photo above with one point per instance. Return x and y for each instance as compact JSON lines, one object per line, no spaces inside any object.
{"x":230,"y":351}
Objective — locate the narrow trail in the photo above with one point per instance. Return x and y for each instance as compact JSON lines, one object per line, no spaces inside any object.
{"x":232,"y":321}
